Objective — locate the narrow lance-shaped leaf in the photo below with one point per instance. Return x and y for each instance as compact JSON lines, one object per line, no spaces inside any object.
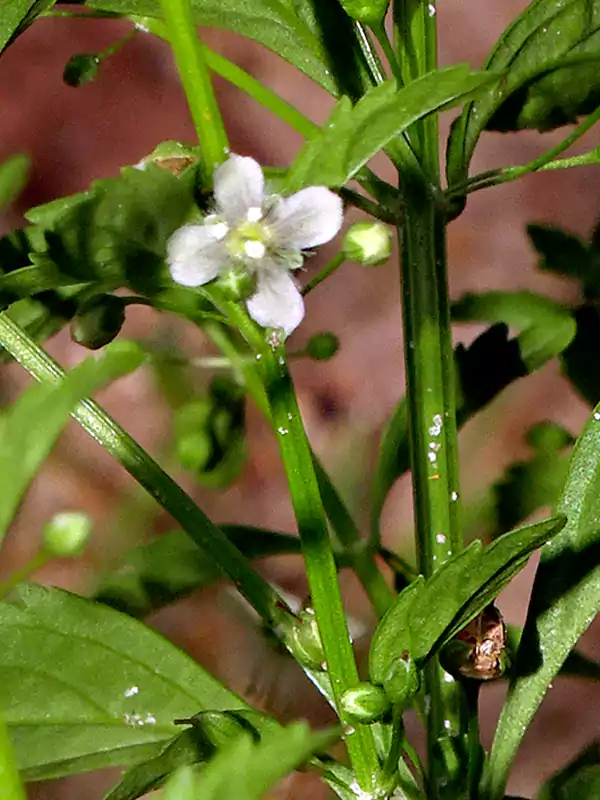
{"x":15,"y":14}
{"x":84,"y":687}
{"x":418,"y":626}
{"x":564,"y":601}
{"x":549,"y":55}
{"x":353,"y":134}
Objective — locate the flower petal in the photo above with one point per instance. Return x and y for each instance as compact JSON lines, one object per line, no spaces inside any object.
{"x":277,"y":302}
{"x":193,"y":255}
{"x":238,"y":185}
{"x":308,"y":218}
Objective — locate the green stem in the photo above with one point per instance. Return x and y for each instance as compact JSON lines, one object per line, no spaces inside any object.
{"x":23,"y":573}
{"x":11,"y":786}
{"x":378,"y":591}
{"x":148,"y":474}
{"x":429,"y":363}
{"x":541,"y":163}
{"x":312,"y":528}
{"x":327,"y":270}
{"x":196,"y":82}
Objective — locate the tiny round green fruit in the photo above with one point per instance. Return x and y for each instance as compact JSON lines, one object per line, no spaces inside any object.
{"x":365,"y":703}
{"x":368,"y":243}
{"x":67,"y":534}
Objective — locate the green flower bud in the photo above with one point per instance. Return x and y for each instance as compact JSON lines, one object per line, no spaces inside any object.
{"x":368,"y":243}
{"x":80,"y":69}
{"x":67,"y":534}
{"x":365,"y":703}
{"x":322,"y":346}
{"x":236,"y":284}
{"x":305,"y":641}
{"x":194,"y":451}
{"x":368,"y":12}
{"x":98,"y":321}
{"x":403,"y":682}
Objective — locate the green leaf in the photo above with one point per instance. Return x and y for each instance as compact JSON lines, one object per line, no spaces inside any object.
{"x":549,"y":56}
{"x":172,"y":566}
{"x":30,"y":428}
{"x":10,"y":780}
{"x":116,"y":232}
{"x":84,"y":687}
{"x":16,"y":15}
{"x":565,"y":599}
{"x":353,"y":134}
{"x":580,"y":780}
{"x":560,"y":251}
{"x":419,"y":625}
{"x":579,"y":360}
{"x":577,"y":665}
{"x":258,"y":765}
{"x":210,"y":731}
{"x":13,"y":177}
{"x":535,"y":483}
{"x":546,"y":327}
{"x":302,"y":33}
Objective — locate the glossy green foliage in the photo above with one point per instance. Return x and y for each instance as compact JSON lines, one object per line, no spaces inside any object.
{"x":115,"y":233}
{"x":565,"y":599}
{"x":353,"y":134}
{"x":546,"y":327}
{"x":13,"y":177}
{"x":209,"y":732}
{"x":549,"y":59}
{"x":529,"y":485}
{"x":315,"y":36}
{"x":16,"y":15}
{"x":173,"y":566}
{"x":580,"y":780}
{"x":84,"y":687}
{"x":10,"y":780}
{"x":30,"y":428}
{"x":417,"y":625}
{"x":246,"y":768}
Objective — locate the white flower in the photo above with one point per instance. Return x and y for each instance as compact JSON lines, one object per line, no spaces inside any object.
{"x":260,"y":233}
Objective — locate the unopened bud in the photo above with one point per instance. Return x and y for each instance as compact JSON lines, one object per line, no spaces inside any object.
{"x":80,"y":69}
{"x":365,"y":703}
{"x":322,"y":346}
{"x":98,"y":321}
{"x":404,"y":681}
{"x":368,"y":243}
{"x":305,"y":640}
{"x":67,"y":534}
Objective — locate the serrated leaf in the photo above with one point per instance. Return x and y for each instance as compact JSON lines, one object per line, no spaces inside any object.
{"x":546,"y":327}
{"x":116,"y":232}
{"x":353,"y":134}
{"x":302,"y":33}
{"x":580,"y":780}
{"x":549,"y":78}
{"x":419,"y":625}
{"x":564,"y":600}
{"x":31,"y":426}
{"x":210,"y":731}
{"x":172,"y":566}
{"x":84,"y":687}
{"x":13,"y":177}
{"x":258,"y":765}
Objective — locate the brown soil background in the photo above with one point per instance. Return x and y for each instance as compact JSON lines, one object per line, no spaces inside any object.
{"x":75,"y":136}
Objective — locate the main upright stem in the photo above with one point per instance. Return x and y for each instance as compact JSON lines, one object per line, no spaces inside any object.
{"x":429,"y":370}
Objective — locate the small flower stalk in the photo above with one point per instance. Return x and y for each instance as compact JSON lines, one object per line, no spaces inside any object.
{"x":258,"y":234}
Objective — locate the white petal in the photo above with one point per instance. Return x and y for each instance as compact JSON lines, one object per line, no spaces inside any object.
{"x":238,"y":187}
{"x":277,"y":302}
{"x":193,"y":255}
{"x":308,"y":218}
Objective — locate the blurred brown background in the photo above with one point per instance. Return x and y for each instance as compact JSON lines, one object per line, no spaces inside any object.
{"x":75,"y":136}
